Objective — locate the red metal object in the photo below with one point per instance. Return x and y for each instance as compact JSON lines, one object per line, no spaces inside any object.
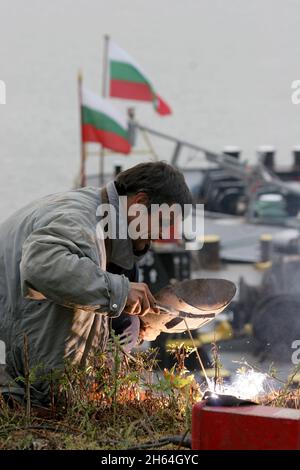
{"x":245,"y":428}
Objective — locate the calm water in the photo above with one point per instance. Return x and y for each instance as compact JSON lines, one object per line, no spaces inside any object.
{"x":225,"y":67}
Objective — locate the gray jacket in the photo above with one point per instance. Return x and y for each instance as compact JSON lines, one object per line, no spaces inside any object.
{"x":53,"y":284}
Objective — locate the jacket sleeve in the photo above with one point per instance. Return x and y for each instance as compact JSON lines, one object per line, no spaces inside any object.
{"x":57,"y":261}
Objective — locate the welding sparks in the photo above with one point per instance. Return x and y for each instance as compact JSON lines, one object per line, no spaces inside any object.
{"x":215,"y":396}
{"x":247,"y":385}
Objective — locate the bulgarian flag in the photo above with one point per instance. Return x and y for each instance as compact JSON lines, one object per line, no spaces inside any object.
{"x":129,"y":81}
{"x":102,"y":123}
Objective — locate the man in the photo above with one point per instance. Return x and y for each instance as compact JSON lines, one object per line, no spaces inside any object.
{"x":61,"y":281}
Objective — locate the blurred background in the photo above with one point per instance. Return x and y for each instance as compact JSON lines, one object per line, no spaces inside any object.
{"x":225,"y":68}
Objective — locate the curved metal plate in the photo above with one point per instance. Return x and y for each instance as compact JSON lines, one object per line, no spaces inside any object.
{"x":196,"y":296}
{"x":206,"y":295}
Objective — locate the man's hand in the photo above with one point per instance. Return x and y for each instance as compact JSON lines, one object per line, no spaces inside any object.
{"x":147,"y":333}
{"x":140,"y":300}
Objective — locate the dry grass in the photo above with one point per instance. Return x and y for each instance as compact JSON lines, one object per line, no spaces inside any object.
{"x":117,"y":402}
{"x":286,"y":399}
{"x":114,"y":403}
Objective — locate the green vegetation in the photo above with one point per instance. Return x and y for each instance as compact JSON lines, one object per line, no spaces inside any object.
{"x":117,"y":402}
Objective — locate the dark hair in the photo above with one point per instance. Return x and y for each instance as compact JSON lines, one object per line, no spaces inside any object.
{"x":162,"y":182}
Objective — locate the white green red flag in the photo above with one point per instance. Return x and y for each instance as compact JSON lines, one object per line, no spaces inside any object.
{"x":129,"y":81}
{"x":102,"y":123}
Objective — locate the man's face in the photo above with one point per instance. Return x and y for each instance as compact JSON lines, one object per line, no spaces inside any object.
{"x":146,"y":226}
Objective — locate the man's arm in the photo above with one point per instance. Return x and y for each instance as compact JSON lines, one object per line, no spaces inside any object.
{"x":55,"y":263}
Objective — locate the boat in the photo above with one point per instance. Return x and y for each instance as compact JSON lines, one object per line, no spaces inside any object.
{"x":252,"y":219}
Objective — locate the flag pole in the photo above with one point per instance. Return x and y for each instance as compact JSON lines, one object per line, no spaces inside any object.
{"x":105,"y":95}
{"x":82,"y":144}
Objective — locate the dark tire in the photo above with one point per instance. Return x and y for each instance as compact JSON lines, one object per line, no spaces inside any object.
{"x":276,"y":324}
